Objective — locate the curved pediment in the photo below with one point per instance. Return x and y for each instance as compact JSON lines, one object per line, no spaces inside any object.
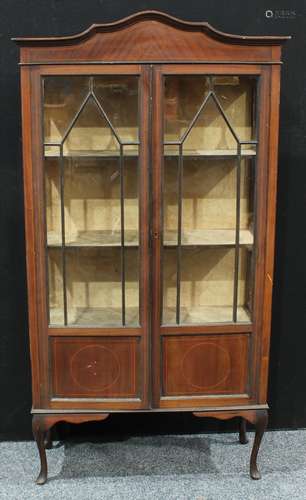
{"x":149,"y":36}
{"x":163,"y":18}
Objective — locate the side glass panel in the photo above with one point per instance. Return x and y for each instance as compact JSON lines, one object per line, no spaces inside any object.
{"x":91,"y":146}
{"x":208,"y":198}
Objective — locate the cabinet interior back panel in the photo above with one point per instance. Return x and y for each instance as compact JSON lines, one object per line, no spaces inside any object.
{"x":66,"y":104}
{"x":92,"y":201}
{"x":184,"y":95}
{"x":208,"y":194}
{"x":207,"y":284}
{"x":94,"y":288}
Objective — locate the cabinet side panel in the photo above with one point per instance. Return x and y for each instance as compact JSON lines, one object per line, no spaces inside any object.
{"x":30,"y":225}
{"x":38,"y":192}
{"x":270,"y":230}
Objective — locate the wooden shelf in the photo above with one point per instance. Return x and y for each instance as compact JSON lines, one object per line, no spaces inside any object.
{"x":95,"y":239}
{"x":196,"y":237}
{"x":212,"y":153}
{"x":97,"y":316}
{"x":205,"y":314}
{"x":209,"y":237}
{"x":111,"y":316}
{"x":91,"y":153}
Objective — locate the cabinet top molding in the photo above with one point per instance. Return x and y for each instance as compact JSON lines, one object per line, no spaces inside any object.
{"x":154,"y":15}
{"x":151,"y":37}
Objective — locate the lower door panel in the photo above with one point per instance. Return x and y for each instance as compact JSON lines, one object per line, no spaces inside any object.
{"x":205,"y":365}
{"x":95,"y":367}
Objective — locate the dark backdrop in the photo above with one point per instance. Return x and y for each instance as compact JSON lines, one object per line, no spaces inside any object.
{"x":287,"y":394}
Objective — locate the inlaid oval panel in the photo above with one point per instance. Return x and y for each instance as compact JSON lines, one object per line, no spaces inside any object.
{"x":202,"y":358}
{"x":95,"y":367}
{"x":205,"y":364}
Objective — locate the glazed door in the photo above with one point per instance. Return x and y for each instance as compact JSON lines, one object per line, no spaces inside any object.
{"x":96,"y":238}
{"x":205,"y":173}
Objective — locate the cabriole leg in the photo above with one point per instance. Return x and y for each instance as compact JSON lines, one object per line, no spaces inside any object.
{"x":243,"y":439}
{"x":48,"y":440}
{"x":42,"y":424}
{"x":39,"y":434}
{"x":260,"y":423}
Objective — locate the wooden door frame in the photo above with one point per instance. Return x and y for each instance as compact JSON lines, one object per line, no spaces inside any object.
{"x":40,"y":332}
{"x":259,"y":329}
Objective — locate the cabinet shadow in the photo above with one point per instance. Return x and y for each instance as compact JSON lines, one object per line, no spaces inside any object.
{"x":134,"y":456}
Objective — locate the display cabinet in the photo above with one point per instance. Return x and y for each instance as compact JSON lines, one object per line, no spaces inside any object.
{"x":150,"y":154}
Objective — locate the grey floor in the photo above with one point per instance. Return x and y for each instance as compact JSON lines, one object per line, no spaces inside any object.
{"x":197,"y":467}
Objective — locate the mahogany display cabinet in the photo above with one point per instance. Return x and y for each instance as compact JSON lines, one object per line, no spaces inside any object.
{"x":150,"y":159}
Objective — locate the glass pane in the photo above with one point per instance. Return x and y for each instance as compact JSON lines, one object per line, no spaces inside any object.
{"x":91,"y":134}
{"x":94,"y":287}
{"x":223,"y":106}
{"x":247,"y":192}
{"x":247,"y":226}
{"x":170,"y":199}
{"x":245,"y":284}
{"x":208,"y":202}
{"x":92,"y":212}
{"x":206,"y":285}
{"x":237,"y":96}
{"x":92,"y":202}
{"x":55,"y":285}
{"x":119,"y":99}
{"x":63,"y":96}
{"x":131,"y":198}
{"x":53,"y":201}
{"x":169,"y":286}
{"x":218,"y":137}
{"x":132,"y":286}
{"x":181,"y":104}
{"x":208,"y":260}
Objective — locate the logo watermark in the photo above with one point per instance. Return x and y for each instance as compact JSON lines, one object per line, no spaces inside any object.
{"x":280,"y":14}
